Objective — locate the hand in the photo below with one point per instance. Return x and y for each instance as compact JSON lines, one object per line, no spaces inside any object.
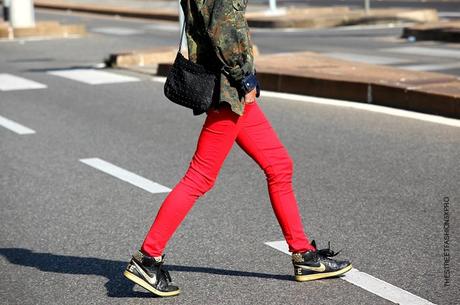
{"x":250,"y":97}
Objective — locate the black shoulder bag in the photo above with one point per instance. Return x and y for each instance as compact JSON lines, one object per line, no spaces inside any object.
{"x":190,"y":84}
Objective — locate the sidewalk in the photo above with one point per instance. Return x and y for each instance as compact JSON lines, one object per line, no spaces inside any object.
{"x":257,"y":15}
{"x":317,"y":75}
{"x":48,"y":29}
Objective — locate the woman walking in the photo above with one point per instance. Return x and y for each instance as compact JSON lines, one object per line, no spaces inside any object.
{"x":218,"y":38}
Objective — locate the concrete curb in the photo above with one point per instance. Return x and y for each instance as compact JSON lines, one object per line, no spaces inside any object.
{"x":163,"y":14}
{"x":148,"y":58}
{"x":342,"y":16}
{"x":312,"y":74}
{"x":439,"y":31}
{"x":294,"y":17}
{"x":48,"y":29}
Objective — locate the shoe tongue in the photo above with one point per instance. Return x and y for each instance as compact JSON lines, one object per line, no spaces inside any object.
{"x":158,"y":259}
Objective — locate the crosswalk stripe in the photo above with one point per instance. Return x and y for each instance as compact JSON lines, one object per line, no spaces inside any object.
{"x":9,"y":82}
{"x":368,"y":282}
{"x":435,"y":52}
{"x":92,"y":76}
{"x":125,"y":175}
{"x":16,"y":127}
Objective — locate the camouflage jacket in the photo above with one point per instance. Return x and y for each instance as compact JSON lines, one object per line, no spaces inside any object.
{"x":218,"y":34}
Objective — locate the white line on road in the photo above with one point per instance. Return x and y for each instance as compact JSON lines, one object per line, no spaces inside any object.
{"x":13,"y":126}
{"x":368,"y":107}
{"x":93,"y":77}
{"x":368,"y":282}
{"x":425,"y":51}
{"x":161,"y":27}
{"x":117,"y":31}
{"x":159,"y":79}
{"x":361,"y":106}
{"x":9,"y":82}
{"x":125,"y":175}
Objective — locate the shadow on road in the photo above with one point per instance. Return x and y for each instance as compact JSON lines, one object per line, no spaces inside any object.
{"x":117,"y":286}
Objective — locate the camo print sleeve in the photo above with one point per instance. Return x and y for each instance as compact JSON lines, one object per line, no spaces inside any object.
{"x":229,"y":32}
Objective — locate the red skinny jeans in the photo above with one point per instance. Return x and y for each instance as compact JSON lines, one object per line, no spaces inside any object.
{"x":254,"y":134}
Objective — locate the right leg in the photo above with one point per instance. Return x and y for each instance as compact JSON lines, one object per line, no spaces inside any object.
{"x":216,"y":139}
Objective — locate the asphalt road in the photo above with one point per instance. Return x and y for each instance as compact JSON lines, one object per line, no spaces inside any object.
{"x":372,"y":184}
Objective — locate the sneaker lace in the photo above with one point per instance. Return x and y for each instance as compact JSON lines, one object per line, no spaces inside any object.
{"x":327,"y":252}
{"x":162,"y":273}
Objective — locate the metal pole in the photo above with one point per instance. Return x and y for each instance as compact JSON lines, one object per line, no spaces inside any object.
{"x":6,"y":10}
{"x":367,"y":6}
{"x":22,"y":14}
{"x":181,"y":24}
{"x":273,"y":7}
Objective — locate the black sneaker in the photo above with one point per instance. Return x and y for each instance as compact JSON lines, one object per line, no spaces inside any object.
{"x":313,"y":265}
{"x":147,"y":272}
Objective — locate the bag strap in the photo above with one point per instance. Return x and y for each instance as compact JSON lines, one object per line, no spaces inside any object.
{"x":182,"y":34}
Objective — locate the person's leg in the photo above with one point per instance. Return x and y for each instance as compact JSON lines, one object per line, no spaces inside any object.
{"x":259,"y":140}
{"x":215,"y":141}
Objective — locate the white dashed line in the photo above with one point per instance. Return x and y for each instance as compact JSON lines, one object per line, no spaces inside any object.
{"x":368,"y":282}
{"x":93,"y":77}
{"x":125,"y":175}
{"x":9,"y":82}
{"x":162,"y":27}
{"x":13,"y":126}
{"x":117,"y":31}
{"x":361,"y":106}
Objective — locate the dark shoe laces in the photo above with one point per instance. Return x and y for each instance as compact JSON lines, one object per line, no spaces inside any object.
{"x":325,"y":252}
{"x":162,"y":273}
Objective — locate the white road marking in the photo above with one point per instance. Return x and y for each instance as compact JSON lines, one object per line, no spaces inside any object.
{"x":161,"y":27}
{"x":368,"y":282}
{"x":16,"y":127}
{"x":159,"y":79}
{"x":361,"y":106}
{"x":125,"y":175}
{"x":371,"y":59}
{"x":372,"y":26}
{"x":117,"y":31}
{"x":432,"y":67}
{"x":435,"y":52}
{"x":368,"y":107}
{"x":9,"y":82}
{"x":93,"y":77}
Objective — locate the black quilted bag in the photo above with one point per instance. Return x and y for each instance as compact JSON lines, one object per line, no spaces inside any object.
{"x":190,"y":84}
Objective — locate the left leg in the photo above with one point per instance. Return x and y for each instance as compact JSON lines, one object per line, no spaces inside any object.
{"x":258,"y":139}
